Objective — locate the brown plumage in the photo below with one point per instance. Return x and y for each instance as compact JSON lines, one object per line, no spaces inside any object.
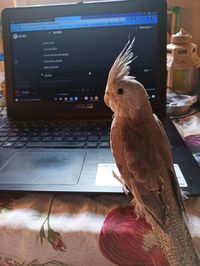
{"x":142,"y":154}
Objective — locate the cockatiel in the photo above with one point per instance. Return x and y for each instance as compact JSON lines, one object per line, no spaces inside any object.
{"x":140,"y":147}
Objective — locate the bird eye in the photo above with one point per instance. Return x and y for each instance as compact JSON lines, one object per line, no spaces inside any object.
{"x":120,"y":91}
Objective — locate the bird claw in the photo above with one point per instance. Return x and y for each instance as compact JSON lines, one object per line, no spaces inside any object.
{"x":121,"y":180}
{"x":125,"y":189}
{"x":184,"y":194}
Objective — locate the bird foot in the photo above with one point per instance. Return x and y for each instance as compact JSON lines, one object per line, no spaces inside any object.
{"x":138,"y":209}
{"x":121,"y":180}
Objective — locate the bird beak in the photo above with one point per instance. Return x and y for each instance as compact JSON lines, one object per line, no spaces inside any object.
{"x":106,"y":98}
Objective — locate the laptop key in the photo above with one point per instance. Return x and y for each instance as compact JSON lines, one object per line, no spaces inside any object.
{"x":3,"y":134}
{"x":104,"y":144}
{"x":8,"y":144}
{"x":59,"y":139}
{"x":3,"y":139}
{"x":13,"y":139}
{"x":91,"y":144}
{"x":24,"y":134}
{"x":81,"y":138}
{"x":105,"y":138}
{"x":92,"y":138}
{"x":55,"y":145}
{"x":4,"y":130}
{"x":36,"y":139}
{"x":67,"y":139}
{"x":48,"y":139}
{"x":24,"y":139}
{"x":44,"y":134}
{"x":56,"y":134}
{"x":19,"y":145}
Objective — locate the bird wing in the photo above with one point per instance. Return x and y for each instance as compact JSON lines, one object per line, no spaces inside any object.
{"x":147,"y":162}
{"x":135,"y":158}
{"x":169,"y":162}
{"x":117,"y":147}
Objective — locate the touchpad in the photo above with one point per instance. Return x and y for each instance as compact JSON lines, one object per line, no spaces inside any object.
{"x":45,"y":167}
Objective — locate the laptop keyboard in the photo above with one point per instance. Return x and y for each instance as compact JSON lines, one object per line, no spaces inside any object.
{"x":55,"y":134}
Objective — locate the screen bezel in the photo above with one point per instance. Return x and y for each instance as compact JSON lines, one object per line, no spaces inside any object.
{"x":44,"y":109}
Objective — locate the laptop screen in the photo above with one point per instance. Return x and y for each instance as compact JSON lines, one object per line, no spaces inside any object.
{"x":72,"y":55}
{"x":63,"y":58}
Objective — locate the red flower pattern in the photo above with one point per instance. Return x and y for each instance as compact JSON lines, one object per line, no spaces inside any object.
{"x":56,"y":240}
{"x":128,"y":241}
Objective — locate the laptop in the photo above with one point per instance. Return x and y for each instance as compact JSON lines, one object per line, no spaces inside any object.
{"x":57,"y":59}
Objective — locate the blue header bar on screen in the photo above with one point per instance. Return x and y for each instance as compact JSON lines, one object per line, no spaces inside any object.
{"x":76,"y":22}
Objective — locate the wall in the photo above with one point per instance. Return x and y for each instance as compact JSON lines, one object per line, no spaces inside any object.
{"x":190,"y":17}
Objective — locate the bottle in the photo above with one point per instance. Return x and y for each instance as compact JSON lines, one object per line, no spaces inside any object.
{"x":182,"y":63}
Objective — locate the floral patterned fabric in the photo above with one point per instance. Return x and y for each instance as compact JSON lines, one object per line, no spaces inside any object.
{"x":71,"y":229}
{"x":189,"y":128}
{"x":49,"y":229}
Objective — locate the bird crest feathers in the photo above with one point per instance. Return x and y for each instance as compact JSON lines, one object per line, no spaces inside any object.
{"x":121,"y":66}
